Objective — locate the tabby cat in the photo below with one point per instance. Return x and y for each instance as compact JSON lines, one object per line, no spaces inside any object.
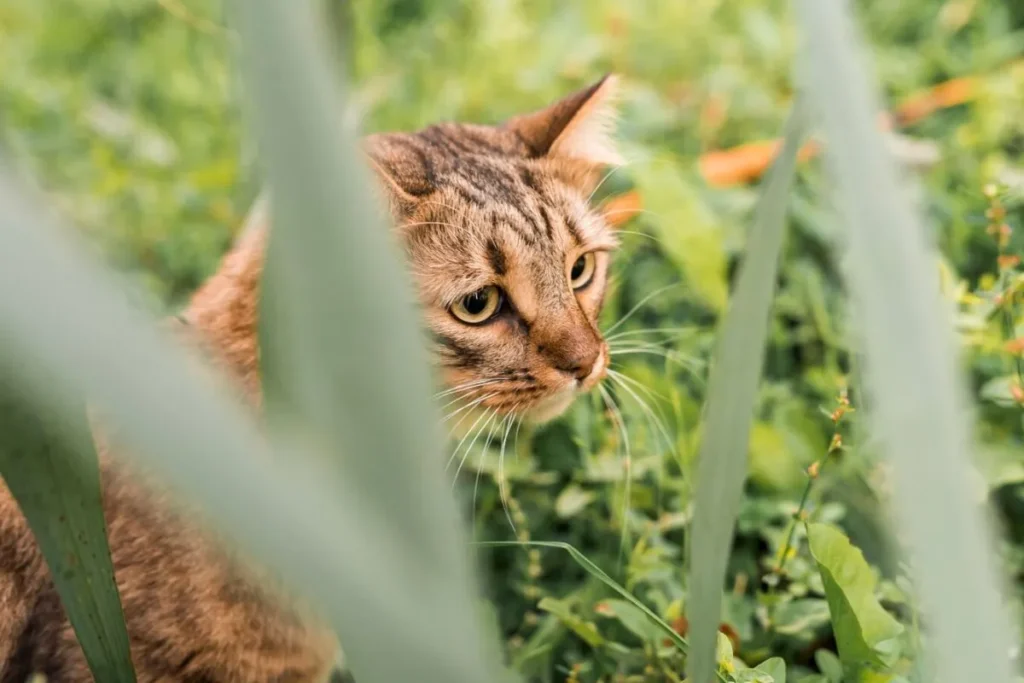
{"x":511,"y":264}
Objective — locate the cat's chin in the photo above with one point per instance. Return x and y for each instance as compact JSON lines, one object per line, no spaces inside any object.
{"x":549,"y":408}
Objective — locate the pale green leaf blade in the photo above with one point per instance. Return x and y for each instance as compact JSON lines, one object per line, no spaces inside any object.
{"x":733,"y":387}
{"x":342,"y":307}
{"x":340,"y":321}
{"x":58,"y":491}
{"x":859,"y":621}
{"x":915,"y":396}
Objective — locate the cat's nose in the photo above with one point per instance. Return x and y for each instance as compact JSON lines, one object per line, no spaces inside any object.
{"x":581,"y":364}
{"x":574,"y":350}
{"x":581,"y":370}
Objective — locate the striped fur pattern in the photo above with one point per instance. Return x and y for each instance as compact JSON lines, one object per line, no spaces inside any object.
{"x":502,"y":210}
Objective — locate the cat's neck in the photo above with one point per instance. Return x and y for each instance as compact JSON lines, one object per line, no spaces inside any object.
{"x":225,"y":309}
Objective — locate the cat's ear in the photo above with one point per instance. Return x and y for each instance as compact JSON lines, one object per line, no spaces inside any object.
{"x":578,"y":127}
{"x":403,"y":175}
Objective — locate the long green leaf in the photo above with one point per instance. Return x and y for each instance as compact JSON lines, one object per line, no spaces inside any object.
{"x":733,"y":388}
{"x":915,"y":400}
{"x":182,"y":423}
{"x":345,"y":347}
{"x":59,"y":493}
{"x":347,"y":340}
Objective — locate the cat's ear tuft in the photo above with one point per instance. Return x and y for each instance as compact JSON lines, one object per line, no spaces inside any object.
{"x":579,"y":127}
{"x":403,"y":175}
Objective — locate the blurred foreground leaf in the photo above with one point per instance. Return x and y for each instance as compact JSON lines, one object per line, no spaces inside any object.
{"x":914,"y":395}
{"x":733,"y":387}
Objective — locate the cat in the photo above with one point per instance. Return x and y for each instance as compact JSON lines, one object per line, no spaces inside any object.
{"x":511,"y":265}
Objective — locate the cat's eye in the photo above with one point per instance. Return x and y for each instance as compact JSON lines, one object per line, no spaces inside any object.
{"x":582,"y":270}
{"x":479,"y":306}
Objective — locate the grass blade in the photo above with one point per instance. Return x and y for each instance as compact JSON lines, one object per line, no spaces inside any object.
{"x":182,"y":423}
{"x":915,"y":400}
{"x":353,"y":366}
{"x":330,"y":245}
{"x":733,"y":387}
{"x":59,"y":493}
{"x":599,"y":574}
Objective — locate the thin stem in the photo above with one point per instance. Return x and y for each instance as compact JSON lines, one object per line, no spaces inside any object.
{"x":813,"y":472}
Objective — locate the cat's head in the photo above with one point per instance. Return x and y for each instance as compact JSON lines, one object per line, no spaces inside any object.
{"x":509,"y":255}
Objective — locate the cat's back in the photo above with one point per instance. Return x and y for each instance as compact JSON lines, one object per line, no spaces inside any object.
{"x":191,"y":613}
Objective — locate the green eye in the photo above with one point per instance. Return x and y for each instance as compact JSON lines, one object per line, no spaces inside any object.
{"x":582,"y":270}
{"x":479,"y":306}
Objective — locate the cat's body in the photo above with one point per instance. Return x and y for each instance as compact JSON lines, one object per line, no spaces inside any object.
{"x":510,"y":263}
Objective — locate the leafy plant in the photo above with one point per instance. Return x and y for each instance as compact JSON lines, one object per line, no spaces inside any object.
{"x":130,"y":120}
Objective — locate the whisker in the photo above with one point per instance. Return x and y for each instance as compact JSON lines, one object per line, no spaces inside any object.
{"x":623,"y":381}
{"x":502,"y":485}
{"x":621,"y":423}
{"x":648,"y":330}
{"x":462,"y":398}
{"x":466,"y":407}
{"x":655,"y":420}
{"x":467,"y":385}
{"x":480,"y":469}
{"x":632,"y":211}
{"x":689,"y":365}
{"x":463,"y":440}
{"x":619,"y":231}
{"x":637,"y":307}
{"x":443,"y":205}
{"x":443,"y":224}
{"x":487,"y":425}
{"x":621,"y":345}
{"x":515,"y":439}
{"x":651,"y":393}
{"x":603,"y":181}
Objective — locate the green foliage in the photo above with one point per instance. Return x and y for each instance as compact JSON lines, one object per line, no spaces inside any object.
{"x":128,"y":115}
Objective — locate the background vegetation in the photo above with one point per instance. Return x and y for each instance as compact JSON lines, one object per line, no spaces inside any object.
{"x":128,"y":114}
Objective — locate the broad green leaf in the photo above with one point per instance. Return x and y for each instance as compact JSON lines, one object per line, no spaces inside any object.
{"x":829,"y":665}
{"x":774,"y":667}
{"x":752,"y":676}
{"x":581,"y":627}
{"x":801,"y":616}
{"x":916,"y":403}
{"x":723,"y":652}
{"x":51,"y":468}
{"x":632,"y":618}
{"x":733,"y":386}
{"x":859,"y":622}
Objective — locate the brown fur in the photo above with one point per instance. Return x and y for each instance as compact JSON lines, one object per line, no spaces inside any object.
{"x":476,"y":206}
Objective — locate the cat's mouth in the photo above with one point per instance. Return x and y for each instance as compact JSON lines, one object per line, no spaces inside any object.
{"x":550,"y":407}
